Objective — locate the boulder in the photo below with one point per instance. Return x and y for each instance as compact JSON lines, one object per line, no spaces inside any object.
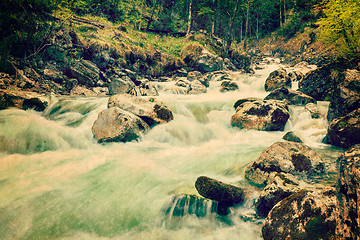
{"x":280,"y":188}
{"x":116,"y":125}
{"x":183,"y":83}
{"x":307,"y":214}
{"x":241,"y":60}
{"x":284,"y":157}
{"x":22,"y":100}
{"x":290,"y":96}
{"x":86,"y":72}
{"x":314,"y":110}
{"x":292,"y":137}
{"x":228,"y":86}
{"x":54,"y":75}
{"x":344,"y":132}
{"x":226,"y":194}
{"x":194,"y":75}
{"x":228,"y":65}
{"x":295,"y":76}
{"x":208,"y":62}
{"x":81,"y":91}
{"x":278,"y":78}
{"x":270,"y":115}
{"x":151,"y":112}
{"x":196,"y":87}
{"x":144,"y":89}
{"x":346,"y":95}
{"x":249,"y":99}
{"x":120,"y":85}
{"x":348,"y":194}
{"x":217,"y":76}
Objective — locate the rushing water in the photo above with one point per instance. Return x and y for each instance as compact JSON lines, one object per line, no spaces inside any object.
{"x":56,"y":182}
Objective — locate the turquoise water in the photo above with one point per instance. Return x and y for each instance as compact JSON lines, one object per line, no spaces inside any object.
{"x":56,"y":182}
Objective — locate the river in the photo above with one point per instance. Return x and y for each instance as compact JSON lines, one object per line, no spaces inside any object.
{"x":56,"y":182}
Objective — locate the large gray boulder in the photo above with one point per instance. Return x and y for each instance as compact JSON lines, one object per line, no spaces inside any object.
{"x":86,"y":72}
{"x":346,"y":95}
{"x":290,"y":96}
{"x":348,"y":194}
{"x":116,"y":125}
{"x":120,"y":85}
{"x":277,"y":79}
{"x":196,"y":87}
{"x":152,"y":112}
{"x":208,"y":62}
{"x":270,"y":115}
{"x":307,"y":214}
{"x":284,"y":157}
{"x":22,"y":100}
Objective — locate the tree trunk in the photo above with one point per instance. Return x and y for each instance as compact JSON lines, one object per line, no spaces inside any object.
{"x":190,"y":18}
{"x":284,"y":11}
{"x":247,"y":25}
{"x":280,"y":14}
{"x":232,"y":20}
{"x":152,"y":15}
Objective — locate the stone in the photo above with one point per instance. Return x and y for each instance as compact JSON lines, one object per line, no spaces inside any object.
{"x":86,"y":72}
{"x":306,"y":214}
{"x":144,"y":89}
{"x":241,"y":101}
{"x":314,"y":110}
{"x":22,"y":100}
{"x":120,"y":85}
{"x":194,"y":75}
{"x":291,"y":96}
{"x":152,"y":112}
{"x":344,"y":132}
{"x":208,"y":62}
{"x":116,"y":125}
{"x":348,"y":195}
{"x":228,"y":86}
{"x":346,"y":95}
{"x":226,"y":194}
{"x":295,"y":76}
{"x":228,"y":65}
{"x":216,"y":76}
{"x":292,"y":137}
{"x":280,"y":188}
{"x":270,"y":115}
{"x":183,"y":83}
{"x":284,"y":157}
{"x":278,"y":78}
{"x":196,"y":87}
{"x":81,"y":91}
{"x":54,"y":75}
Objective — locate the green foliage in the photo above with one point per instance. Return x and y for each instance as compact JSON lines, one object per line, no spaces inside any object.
{"x":342,"y":24}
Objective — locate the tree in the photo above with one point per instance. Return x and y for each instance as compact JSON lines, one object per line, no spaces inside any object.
{"x":342,"y":24}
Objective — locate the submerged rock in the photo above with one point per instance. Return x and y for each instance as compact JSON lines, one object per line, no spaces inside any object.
{"x":223,"y":193}
{"x":22,"y":100}
{"x":277,"y":79}
{"x":291,"y":96}
{"x":280,"y":188}
{"x":228,"y":86}
{"x":151,"y":112}
{"x":116,"y":125}
{"x":344,"y":132}
{"x":270,"y":115}
{"x":284,"y":157}
{"x":307,"y":214}
{"x":348,"y":195}
{"x":292,"y":137}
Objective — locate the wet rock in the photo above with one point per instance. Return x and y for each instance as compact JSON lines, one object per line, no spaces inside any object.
{"x":86,"y":72}
{"x":344,"y":132}
{"x":295,"y":76}
{"x":291,"y":96}
{"x":270,"y":115}
{"x":22,"y":100}
{"x":280,"y":188}
{"x":241,"y":60}
{"x":348,"y":195}
{"x":101,"y":91}
{"x":277,"y":79}
{"x":228,"y":86}
{"x":228,"y":65}
{"x":194,"y":75}
{"x":116,"y":125}
{"x":216,"y":76}
{"x":292,"y":137}
{"x":223,"y":193}
{"x":241,"y":101}
{"x":81,"y":91}
{"x":346,"y":95}
{"x":314,"y":110}
{"x":183,"y":83}
{"x":208,"y":62}
{"x":144,"y":89}
{"x":151,"y":112}
{"x":120,"y":85}
{"x":196,"y":87}
{"x":284,"y":157}
{"x":307,"y":214}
